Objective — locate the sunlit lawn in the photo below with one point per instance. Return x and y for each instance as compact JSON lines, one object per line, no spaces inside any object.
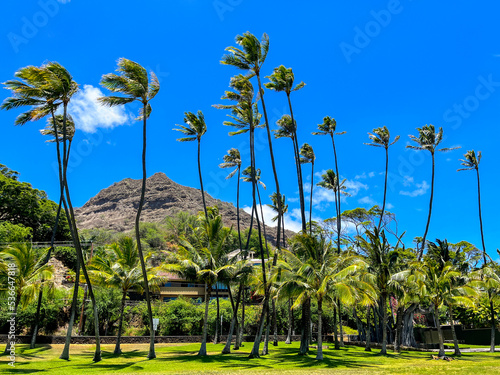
{"x":182,"y":358}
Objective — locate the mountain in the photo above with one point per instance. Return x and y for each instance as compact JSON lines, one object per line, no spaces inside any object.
{"x":116,"y":206}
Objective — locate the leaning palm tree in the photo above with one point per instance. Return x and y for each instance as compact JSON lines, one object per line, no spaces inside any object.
{"x":382,"y":138}
{"x":307,"y":156}
{"x":198,"y":261}
{"x":132,"y":81}
{"x":194,"y":130}
{"x":329,"y":127}
{"x":282,"y":80}
{"x":428,"y":140}
{"x":46,"y":89}
{"x":233,"y":160}
{"x":120,"y":268}
{"x":28,"y":272}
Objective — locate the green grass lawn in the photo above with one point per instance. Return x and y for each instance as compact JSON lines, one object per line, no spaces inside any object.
{"x":182,"y":359}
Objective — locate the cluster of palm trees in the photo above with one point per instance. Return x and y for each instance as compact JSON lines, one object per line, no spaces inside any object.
{"x":366,"y":271}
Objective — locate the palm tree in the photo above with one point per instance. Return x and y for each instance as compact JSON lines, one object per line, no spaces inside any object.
{"x":313,"y":270}
{"x":330,"y":181}
{"x":275,"y":207}
{"x":381,"y":259}
{"x":233,"y":160}
{"x":429,"y":140}
{"x":199,"y":261}
{"x":307,"y":153}
{"x":382,"y":138}
{"x":441,"y":286}
{"x":245,"y":117}
{"x":194,"y":130}
{"x":329,"y":127}
{"x":282,"y":80}
{"x":45,"y":89}
{"x":133,"y":82}
{"x":26,"y":270}
{"x":120,"y":268}
{"x":488,"y":280}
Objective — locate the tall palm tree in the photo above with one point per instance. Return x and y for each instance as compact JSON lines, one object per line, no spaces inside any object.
{"x":275,"y":207}
{"x":428,"y":140}
{"x":245,"y":117}
{"x":307,"y":156}
{"x":46,"y":89}
{"x":233,"y":160}
{"x":382,"y":138}
{"x":282,"y":80}
{"x":26,"y":270}
{"x":471,"y":162}
{"x":381,"y":258}
{"x":132,"y":81}
{"x":194,"y":130}
{"x":120,"y":268}
{"x":329,"y":127}
{"x":198,"y":261}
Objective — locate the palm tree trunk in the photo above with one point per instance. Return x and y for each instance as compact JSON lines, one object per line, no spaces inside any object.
{"x":399,"y":327}
{"x":335,"y":331}
{"x":311,"y":198}
{"x":384,"y":324}
{"x":480,"y":216}
{"x":368,"y":331}
{"x":385,"y":186}
{"x":319,"y":355}
{"x":304,"y":339}
{"x":289,"y":333}
{"x":493,"y":325}
{"x":151,"y":353}
{"x":275,"y":325}
{"x":217,"y":320}
{"x":452,"y":324}
{"x":201,"y":179}
{"x":238,"y":207}
{"x":74,"y":302}
{"x":421,"y":252}
{"x":234,"y":320}
{"x":203,"y":348}
{"x":119,"y":336}
{"x":265,"y":348}
{"x":242,"y":327}
{"x":337,"y":195}
{"x":299,"y":169}
{"x":440,"y":332}
{"x":340,"y":325}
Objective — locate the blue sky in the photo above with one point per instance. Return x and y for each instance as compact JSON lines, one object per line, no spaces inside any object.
{"x":402,"y":64}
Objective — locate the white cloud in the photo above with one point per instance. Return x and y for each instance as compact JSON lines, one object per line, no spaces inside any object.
{"x":389,"y":206}
{"x":353,"y":187}
{"x":367,"y":200}
{"x":89,"y":115}
{"x":371,"y":174}
{"x":420,"y":190}
{"x":407,"y":180}
{"x":365,"y":175}
{"x":63,"y":1}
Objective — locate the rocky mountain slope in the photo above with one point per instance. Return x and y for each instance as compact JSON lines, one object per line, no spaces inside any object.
{"x":115,"y":207}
